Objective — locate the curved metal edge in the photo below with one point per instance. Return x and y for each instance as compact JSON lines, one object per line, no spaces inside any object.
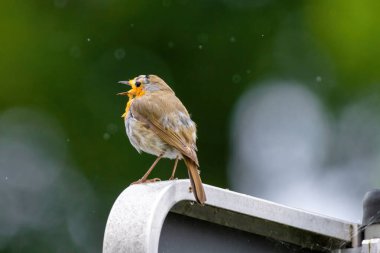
{"x":297,"y":218}
{"x":136,"y":218}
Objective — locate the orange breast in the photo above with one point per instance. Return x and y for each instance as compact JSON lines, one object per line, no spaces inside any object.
{"x":128,"y":106}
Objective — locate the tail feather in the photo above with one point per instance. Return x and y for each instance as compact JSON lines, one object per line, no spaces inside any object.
{"x":195,"y":180}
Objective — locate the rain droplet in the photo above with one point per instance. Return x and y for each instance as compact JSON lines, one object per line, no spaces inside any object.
{"x":318,"y":79}
{"x":106,"y":136}
{"x":200,"y":47}
{"x":232,"y":39}
{"x":132,"y":25}
{"x":88,"y":39}
{"x":119,"y":53}
{"x":170,"y":44}
{"x":262,"y":35}
{"x":248,"y":71}
{"x":67,"y":140}
{"x":236,"y":78}
{"x":6,"y":178}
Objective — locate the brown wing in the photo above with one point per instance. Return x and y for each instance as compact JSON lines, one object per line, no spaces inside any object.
{"x":162,"y":113}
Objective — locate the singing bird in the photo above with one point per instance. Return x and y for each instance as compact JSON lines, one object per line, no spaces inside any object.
{"x":158,"y":123}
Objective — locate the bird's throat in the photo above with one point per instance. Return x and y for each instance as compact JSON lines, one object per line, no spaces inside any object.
{"x":134,"y":93}
{"x":139,"y":92}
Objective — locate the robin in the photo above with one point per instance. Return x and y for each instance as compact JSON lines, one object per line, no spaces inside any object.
{"x":158,"y":123}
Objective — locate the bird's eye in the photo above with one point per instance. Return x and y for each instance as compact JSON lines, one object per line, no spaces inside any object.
{"x":138,"y":84}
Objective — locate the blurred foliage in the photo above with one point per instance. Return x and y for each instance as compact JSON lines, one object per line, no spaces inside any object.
{"x":65,"y":57}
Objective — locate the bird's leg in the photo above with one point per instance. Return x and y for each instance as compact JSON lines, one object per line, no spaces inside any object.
{"x":174,"y":169}
{"x":144,"y":178}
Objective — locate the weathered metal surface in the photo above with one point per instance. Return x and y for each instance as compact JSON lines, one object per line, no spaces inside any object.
{"x":137,"y":217}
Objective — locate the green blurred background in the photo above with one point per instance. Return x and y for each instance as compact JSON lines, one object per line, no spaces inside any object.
{"x":60,"y":61}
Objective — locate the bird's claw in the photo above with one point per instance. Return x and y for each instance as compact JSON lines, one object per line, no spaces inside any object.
{"x":153,"y":180}
{"x":142,"y":181}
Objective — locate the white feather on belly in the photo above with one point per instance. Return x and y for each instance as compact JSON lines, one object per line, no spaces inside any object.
{"x":146,"y":140}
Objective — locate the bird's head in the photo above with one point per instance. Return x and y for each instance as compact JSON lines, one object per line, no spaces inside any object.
{"x":144,"y":84}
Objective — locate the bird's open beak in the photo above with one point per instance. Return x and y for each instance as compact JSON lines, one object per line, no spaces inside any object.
{"x":131,"y":92}
{"x":125,"y":93}
{"x":125,"y":82}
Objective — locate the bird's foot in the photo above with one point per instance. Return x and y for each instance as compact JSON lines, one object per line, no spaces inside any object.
{"x":152,"y":180}
{"x":142,"y":181}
